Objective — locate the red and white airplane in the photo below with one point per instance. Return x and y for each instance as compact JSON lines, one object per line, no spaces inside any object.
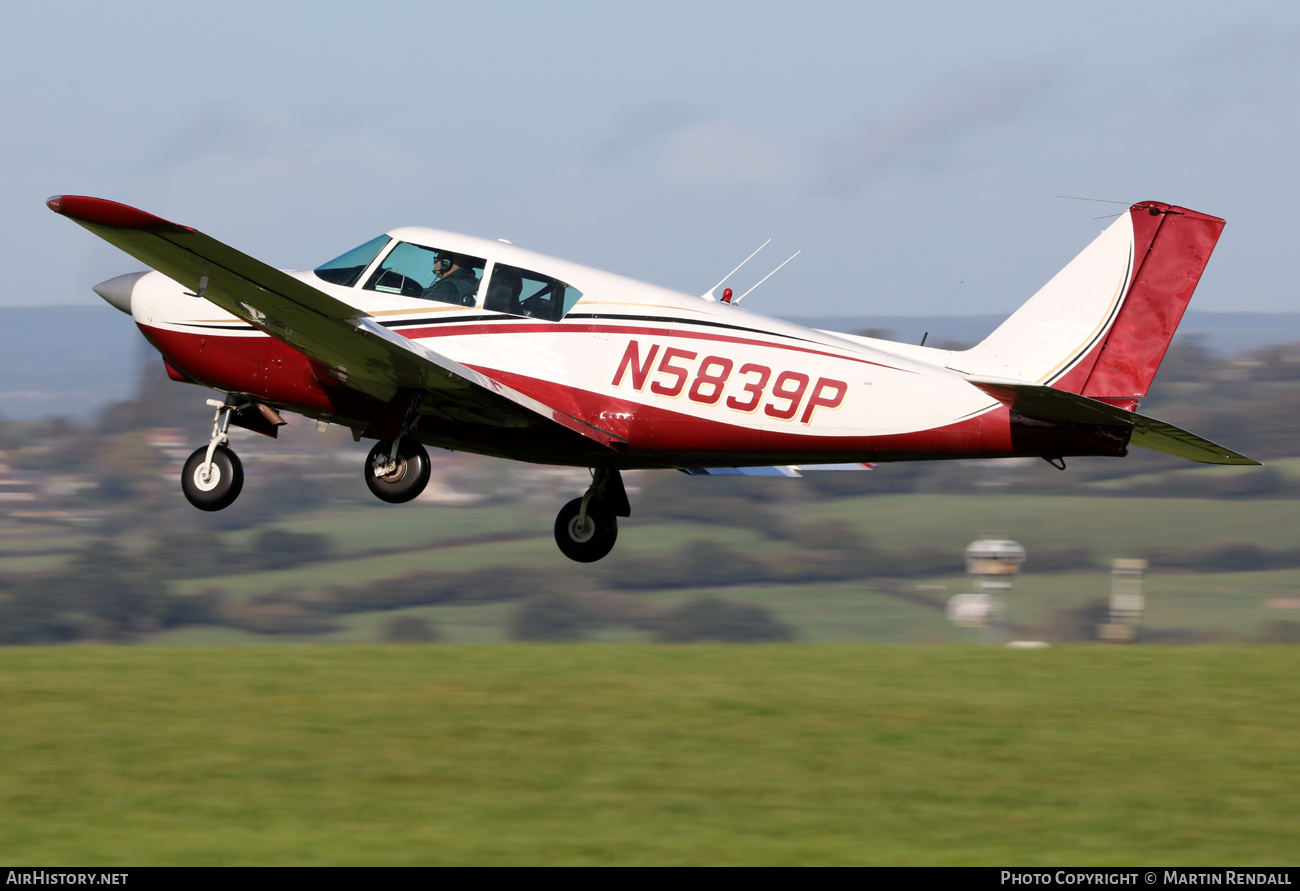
{"x":427,"y":337}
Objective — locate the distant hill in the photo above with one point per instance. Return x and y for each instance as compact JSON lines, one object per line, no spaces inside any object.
{"x":67,"y":360}
{"x":74,"y":360}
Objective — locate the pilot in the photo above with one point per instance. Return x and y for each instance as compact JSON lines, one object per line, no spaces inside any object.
{"x":453,"y":282}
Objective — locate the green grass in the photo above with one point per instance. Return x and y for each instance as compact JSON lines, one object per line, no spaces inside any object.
{"x":649,"y":755}
{"x":1114,"y":527}
{"x":429,"y":554}
{"x":368,"y":569}
{"x":838,"y":612}
{"x":834,"y":612}
{"x":31,"y":565}
{"x":476,"y":623}
{"x":1230,"y":605}
{"x":383,"y":527}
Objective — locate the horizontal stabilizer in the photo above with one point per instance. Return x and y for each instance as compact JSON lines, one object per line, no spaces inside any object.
{"x":785,"y":470}
{"x":1048,"y":404}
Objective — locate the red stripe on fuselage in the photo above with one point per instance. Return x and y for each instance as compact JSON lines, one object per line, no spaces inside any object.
{"x":267,"y":369}
{"x":674,"y":438}
{"x":508,"y":327}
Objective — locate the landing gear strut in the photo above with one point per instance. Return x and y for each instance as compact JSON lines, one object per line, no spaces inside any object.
{"x":587,"y":527}
{"x":213,"y":475}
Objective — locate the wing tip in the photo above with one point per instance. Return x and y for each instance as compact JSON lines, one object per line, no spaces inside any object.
{"x":102,"y":212}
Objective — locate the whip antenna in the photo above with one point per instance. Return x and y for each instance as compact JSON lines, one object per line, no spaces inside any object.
{"x":940,"y":312}
{"x":766,"y":277}
{"x":708,"y":295}
{"x":1100,"y":200}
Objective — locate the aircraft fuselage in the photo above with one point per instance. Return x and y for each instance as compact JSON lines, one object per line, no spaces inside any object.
{"x":685,"y":382}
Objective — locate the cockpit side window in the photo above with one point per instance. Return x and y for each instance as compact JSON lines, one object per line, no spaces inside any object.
{"x":414,"y":270}
{"x":520,"y":292}
{"x":345,"y":270}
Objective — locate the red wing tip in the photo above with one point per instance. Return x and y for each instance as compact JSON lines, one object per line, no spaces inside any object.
{"x":101,"y":212}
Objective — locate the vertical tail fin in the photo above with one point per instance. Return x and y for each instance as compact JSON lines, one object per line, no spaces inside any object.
{"x":1102,"y":325}
{"x":1180,"y":245}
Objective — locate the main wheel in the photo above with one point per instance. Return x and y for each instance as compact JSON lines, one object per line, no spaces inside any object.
{"x":585,"y":541}
{"x":220,"y":487}
{"x":408,"y":477}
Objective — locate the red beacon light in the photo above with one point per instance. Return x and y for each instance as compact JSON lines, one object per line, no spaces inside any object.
{"x":726,"y":295}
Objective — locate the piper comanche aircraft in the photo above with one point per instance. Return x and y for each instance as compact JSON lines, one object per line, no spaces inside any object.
{"x":424,"y":337}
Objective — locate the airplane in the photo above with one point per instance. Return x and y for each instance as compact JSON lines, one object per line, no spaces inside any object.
{"x":425,"y":337}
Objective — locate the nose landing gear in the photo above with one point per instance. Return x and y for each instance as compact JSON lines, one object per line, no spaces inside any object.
{"x":213,"y":475}
{"x":587,"y":527}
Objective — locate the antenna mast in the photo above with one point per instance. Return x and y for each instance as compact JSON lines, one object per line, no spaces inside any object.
{"x":766,"y":277}
{"x":708,"y":295}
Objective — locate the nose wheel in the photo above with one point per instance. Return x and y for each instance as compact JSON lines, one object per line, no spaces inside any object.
{"x":212,"y":484}
{"x":213,"y":476}
{"x":587,"y":527}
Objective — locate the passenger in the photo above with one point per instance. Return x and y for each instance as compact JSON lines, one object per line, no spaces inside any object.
{"x":453,"y":283}
{"x":503,"y":291}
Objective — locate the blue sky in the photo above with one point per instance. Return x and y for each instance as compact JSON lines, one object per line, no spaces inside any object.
{"x":902,"y":147}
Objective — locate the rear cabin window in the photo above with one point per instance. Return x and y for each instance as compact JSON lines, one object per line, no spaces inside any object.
{"x":521,"y":292}
{"x":413,"y":270}
{"x":345,"y":270}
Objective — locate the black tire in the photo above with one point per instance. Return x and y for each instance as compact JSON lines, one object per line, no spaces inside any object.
{"x":225,"y":484}
{"x":409,"y":478}
{"x":590,"y":544}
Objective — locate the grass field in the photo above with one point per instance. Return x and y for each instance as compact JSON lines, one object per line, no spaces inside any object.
{"x":590,"y":754}
{"x":1114,"y":527}
{"x":1224,"y":605}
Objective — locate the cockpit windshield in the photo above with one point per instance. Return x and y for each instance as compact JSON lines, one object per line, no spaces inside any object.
{"x":345,"y":270}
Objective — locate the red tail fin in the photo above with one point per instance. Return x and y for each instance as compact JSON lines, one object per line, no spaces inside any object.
{"x":1178,"y":243}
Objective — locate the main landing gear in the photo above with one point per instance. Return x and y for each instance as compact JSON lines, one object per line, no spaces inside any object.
{"x":397,"y":471}
{"x":213,"y":475}
{"x":587,"y":527}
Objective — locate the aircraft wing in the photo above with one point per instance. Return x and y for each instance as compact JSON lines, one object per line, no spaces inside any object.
{"x":345,"y":341}
{"x":1048,"y":404}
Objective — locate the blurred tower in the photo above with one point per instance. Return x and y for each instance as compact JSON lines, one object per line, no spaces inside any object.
{"x":1126,"y":602}
{"x":992,"y":564}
